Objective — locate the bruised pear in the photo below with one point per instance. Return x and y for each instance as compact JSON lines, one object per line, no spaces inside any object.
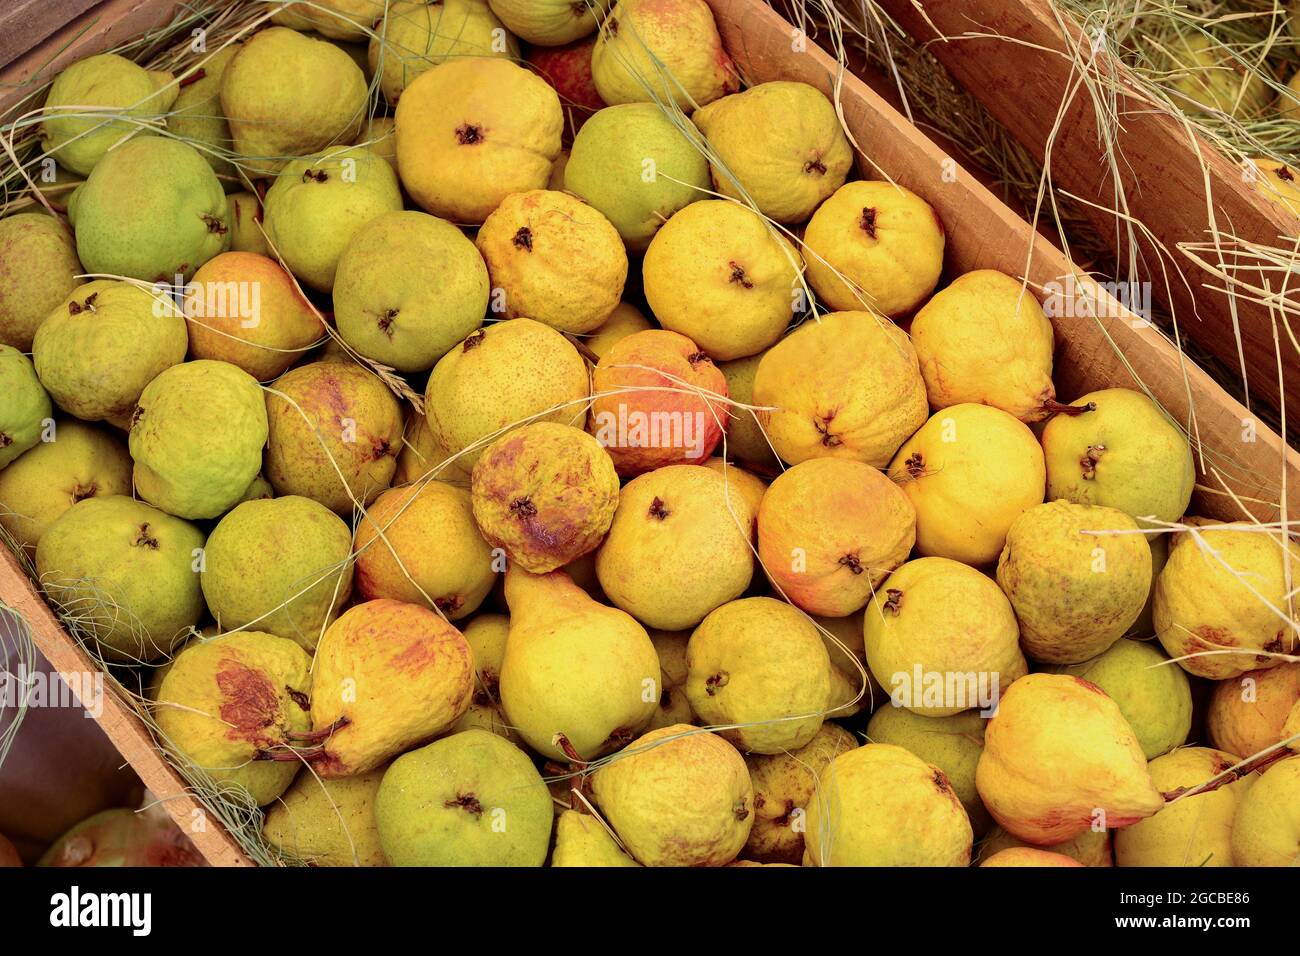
{"x":1059,"y":758}
{"x":544,"y":493}
{"x":328,"y":822}
{"x":879,"y":805}
{"x":830,"y":530}
{"x":231,"y":703}
{"x":387,"y":676}
{"x":582,"y":840}
{"x":678,"y":796}
{"x":578,"y":679}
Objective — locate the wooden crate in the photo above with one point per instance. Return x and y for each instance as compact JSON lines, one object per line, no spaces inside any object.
{"x":982,"y":233}
{"x":1018,"y":58}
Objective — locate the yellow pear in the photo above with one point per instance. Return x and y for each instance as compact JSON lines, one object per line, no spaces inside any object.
{"x":739,"y":481}
{"x":1091,"y":847}
{"x":578,"y":679}
{"x":412,"y":38}
{"x":674,"y":707}
{"x":845,"y":385}
{"x":1028,"y":856}
{"x":970,"y":472}
{"x":745,"y":440}
{"x":422,"y":456}
{"x":346,"y":20}
{"x":486,"y":635}
{"x":328,"y":822}
{"x":1277,"y":181}
{"x":1246,"y":714}
{"x":582,"y":840}
{"x":1266,"y":830}
{"x":1059,"y":758}
{"x":625,"y":320}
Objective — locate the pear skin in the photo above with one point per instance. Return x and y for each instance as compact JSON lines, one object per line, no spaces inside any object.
{"x":1091,"y":847}
{"x":1266,"y":829}
{"x":1246,"y":714}
{"x":746,"y":441}
{"x":119,"y":837}
{"x":1058,"y":757}
{"x":411,"y":38}
{"x":625,"y":320}
{"x":38,"y":266}
{"x":1028,"y":856}
{"x":328,"y":822}
{"x":25,"y":407}
{"x":549,"y":22}
{"x":582,"y":840}
{"x":578,"y":679}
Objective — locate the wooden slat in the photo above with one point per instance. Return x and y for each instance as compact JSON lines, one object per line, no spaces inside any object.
{"x":25,"y":23}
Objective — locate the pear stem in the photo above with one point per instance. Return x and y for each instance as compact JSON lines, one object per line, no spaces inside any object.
{"x":1260,"y":762}
{"x":316,"y":736}
{"x":1053,"y":407}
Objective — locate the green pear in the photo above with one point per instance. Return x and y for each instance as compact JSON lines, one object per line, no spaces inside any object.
{"x":328,"y":822}
{"x":243,"y":216}
{"x":38,"y":269}
{"x":74,"y":462}
{"x":196,"y":438}
{"x":674,"y":706}
{"x":287,"y":94}
{"x":1154,"y":695}
{"x":24,"y":405}
{"x":1121,"y":452}
{"x":746,"y":440}
{"x":578,"y":679}
{"x":638,"y":166}
{"x":227,"y":705}
{"x":152,"y":209}
{"x":471,"y":799}
{"x":953,"y":744}
{"x":318,"y":203}
{"x":1266,"y":830}
{"x":409,"y":287}
{"x":96,"y":103}
{"x":97,"y":350}
{"x":582,"y":840}
{"x":196,"y":116}
{"x":125,"y":573}
{"x":279,"y":565}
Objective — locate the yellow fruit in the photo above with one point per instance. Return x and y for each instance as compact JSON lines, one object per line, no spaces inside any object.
{"x":970,"y":472}
{"x":745,"y":483}
{"x":1028,"y":856}
{"x":625,"y":320}
{"x":939,"y":617}
{"x":1266,"y":830}
{"x":721,"y":276}
{"x":1207,"y":75}
{"x":1277,"y":181}
{"x":550,"y":22}
{"x":582,"y":840}
{"x":421,"y":455}
{"x":502,"y":137}
{"x":1091,"y":847}
{"x":1246,"y":714}
{"x":336,"y":19}
{"x":986,"y":339}
{"x":1058,"y":759}
{"x":874,"y":245}
{"x":328,"y":822}
{"x":745,"y":441}
{"x":846,"y":385}
{"x":412,"y":38}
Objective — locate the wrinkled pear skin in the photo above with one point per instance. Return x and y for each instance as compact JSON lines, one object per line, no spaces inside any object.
{"x":38,"y":266}
{"x":328,"y":822}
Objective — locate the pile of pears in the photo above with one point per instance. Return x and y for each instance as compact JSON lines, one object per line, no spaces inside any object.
{"x":488,"y":435}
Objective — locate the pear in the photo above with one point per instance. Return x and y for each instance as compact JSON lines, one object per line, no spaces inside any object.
{"x":758,"y":667}
{"x":279,"y":565}
{"x":1078,"y":577}
{"x":1028,"y":856}
{"x":875,"y":246}
{"x":1275,"y":180}
{"x":412,"y":38}
{"x":244,"y":218}
{"x":658,"y":401}
{"x":1266,"y":829}
{"x":625,"y":320}
{"x":582,"y":840}
{"x":953,"y":744}
{"x":196,"y":116}
{"x":879,"y":805}
{"x":783,"y":785}
{"x":935,"y":616}
{"x":421,"y":455}
{"x":1246,"y":714}
{"x":674,"y":706}
{"x":970,"y":472}
{"x":24,"y":408}
{"x":746,"y":441}
{"x":830,"y":530}
{"x":1091,"y":847}
{"x":97,"y":351}
{"x":502,"y":138}
{"x":409,"y":287}
{"x":319,"y":202}
{"x":1059,"y":758}
{"x":549,"y":22}
{"x":78,"y":461}
{"x":778,"y":144}
{"x":122,"y":837}
{"x":97,"y":102}
{"x":739,"y":481}
{"x":287,"y":94}
{"x":678,"y":796}
{"x":719,"y":274}
{"x":344,"y":20}
{"x":680,"y":546}
{"x":555,"y":259}
{"x":125,"y":573}
{"x":501,"y":377}
{"x":471,"y":799}
{"x":1205,"y":75}
{"x":1122,"y":452}
{"x":1192,"y":831}
{"x":335,"y":431}
{"x":661,"y":50}
{"x":38,"y":269}
{"x":244,"y":309}
{"x":419,"y":544}
{"x":986,"y":339}
{"x":1223,"y":604}
{"x":387,"y":676}
{"x":228,"y":704}
{"x":328,"y":822}
{"x":486,"y":634}
{"x":545,"y":494}
{"x":152,"y":209}
{"x":380,"y":137}
{"x":578,"y":679}
{"x":1154,"y":696}
{"x":846,"y":385}
{"x":196,"y":437}
{"x":638,"y":166}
